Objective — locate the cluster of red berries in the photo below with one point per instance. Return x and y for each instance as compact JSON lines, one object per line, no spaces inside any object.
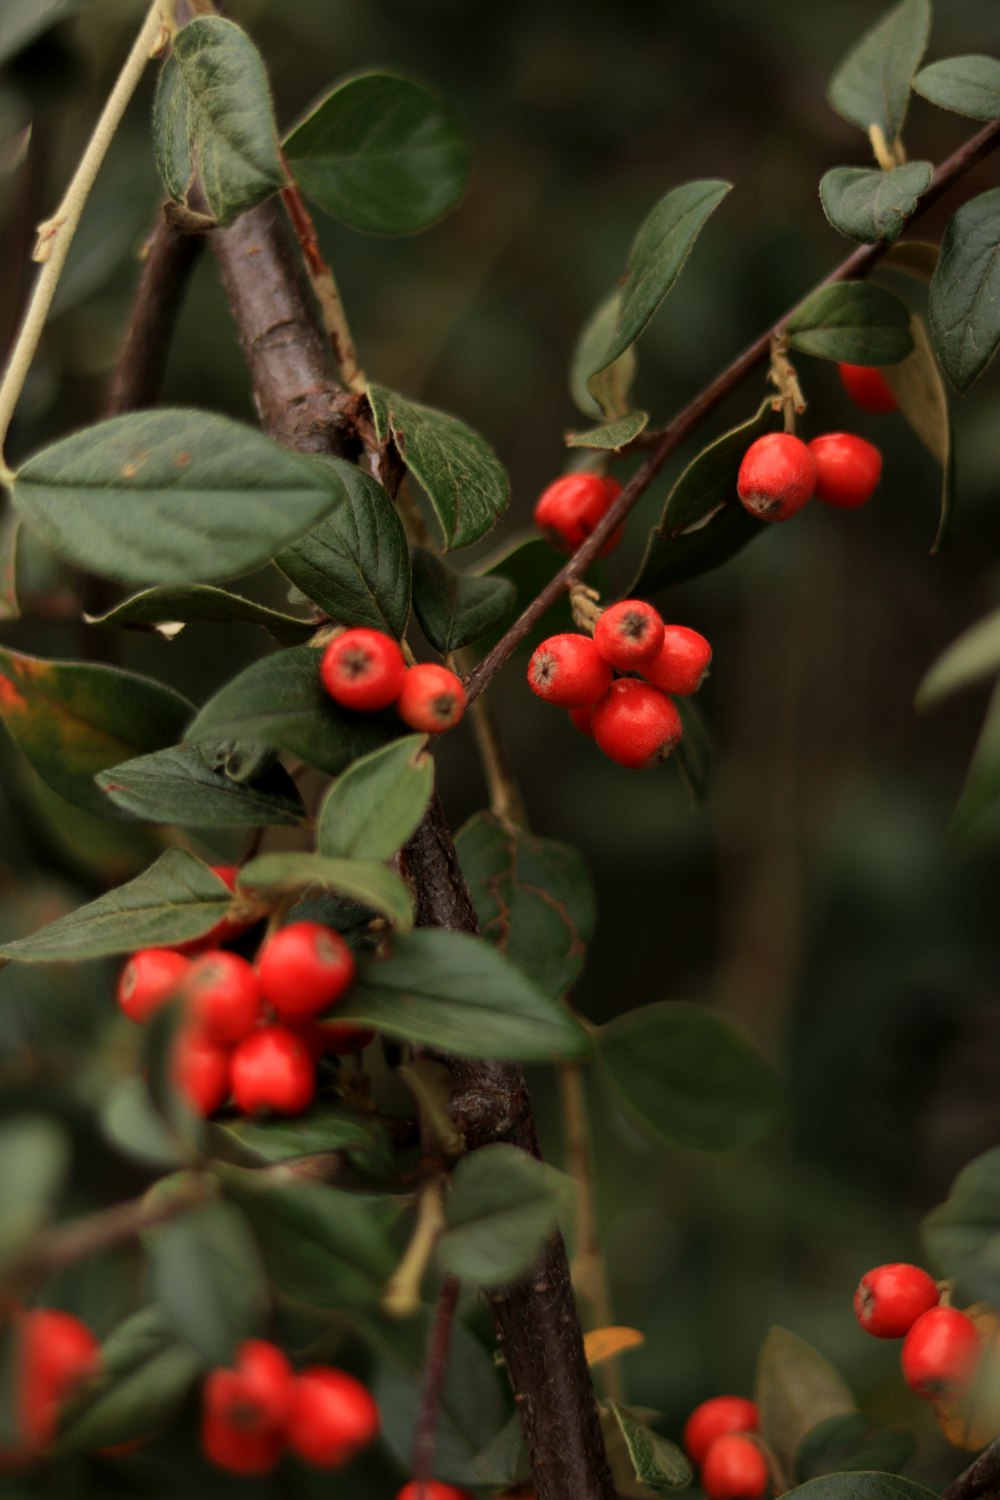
{"x":941,"y":1346}
{"x":571,"y":507}
{"x":364,"y":670}
{"x":431,"y":1489}
{"x":55,"y":1354}
{"x":634,"y":722}
{"x":733,"y":1466}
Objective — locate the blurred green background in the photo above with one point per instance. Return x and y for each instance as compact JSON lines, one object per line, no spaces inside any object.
{"x":818,"y":900}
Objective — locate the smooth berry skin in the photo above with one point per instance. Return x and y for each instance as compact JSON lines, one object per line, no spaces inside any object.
{"x":148,"y":980}
{"x":716,"y":1418}
{"x":629,"y":634}
{"x":223,"y":998}
{"x":941,"y":1353}
{"x":272,"y":1071}
{"x":682,"y":664}
{"x":635,"y":724}
{"x":568,"y":670}
{"x":432,"y":1489}
{"x":867,"y":387}
{"x":363,"y":669}
{"x":734,"y":1468}
{"x":891,"y":1298}
{"x":581,"y":720}
{"x":847,"y":469}
{"x":245,"y":1410}
{"x":331,"y":1418}
{"x":569,"y":509}
{"x":201,"y":1071}
{"x":304,"y":968}
{"x":432,"y":699}
{"x":777,"y":477}
{"x":57,"y":1354}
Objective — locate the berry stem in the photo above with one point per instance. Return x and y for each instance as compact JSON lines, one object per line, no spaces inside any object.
{"x":401,"y":1297}
{"x":434,"y":1371}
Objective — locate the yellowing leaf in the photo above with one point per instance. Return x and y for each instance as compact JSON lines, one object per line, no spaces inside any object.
{"x":604,"y":1343}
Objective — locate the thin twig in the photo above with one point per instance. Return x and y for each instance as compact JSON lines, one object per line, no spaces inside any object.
{"x":324,"y":285}
{"x":169,"y":259}
{"x":434,"y":1371}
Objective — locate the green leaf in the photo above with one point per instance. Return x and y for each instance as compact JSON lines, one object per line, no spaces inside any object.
{"x":130,"y":1121}
{"x":177,"y":899}
{"x":171,"y":496}
{"x":852,"y":322}
{"x":964,"y":302}
{"x":533,"y":898}
{"x":613,"y":435}
{"x":968,"y":85}
{"x":207,"y":1278}
{"x":664,"y":242}
{"x":795,"y":1389}
{"x":326,"y":1127}
{"x":974,"y":656}
{"x":529,"y":562}
{"x":872,"y":84}
{"x":10,"y":534}
{"x":923,"y":403}
{"x":382,"y":154}
{"x":464,"y":480}
{"x":169,"y":609}
{"x":689,"y":1077}
{"x":693,"y":755}
{"x":455,"y":609}
{"x":656,"y":1461}
{"x":863,"y":1486}
{"x":504,"y":1459}
{"x":377,"y":804}
{"x":354,"y":564}
{"x":501,"y":1209}
{"x":604,"y":395}
{"x":280,"y":701}
{"x":21,"y":21}
{"x":72,"y":719}
{"x":34,"y":1156}
{"x":182,"y":786}
{"x":455,"y":992}
{"x":212,"y":117}
{"x":873,"y":206}
{"x":853,"y":1441}
{"x":370,"y":884}
{"x":962,"y":1234}
{"x":976,"y":820}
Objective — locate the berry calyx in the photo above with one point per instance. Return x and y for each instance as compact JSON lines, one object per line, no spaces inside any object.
{"x":777,"y":476}
{"x":148,"y":980}
{"x":636,"y":725}
{"x":714,"y":1419}
{"x":332,"y":1417}
{"x":272,"y":1070}
{"x":569,"y":509}
{"x":891,"y":1298}
{"x":201,"y":1071}
{"x":432,"y":699}
{"x":363,"y":669}
{"x":940,"y":1353}
{"x":223,"y":997}
{"x":682,"y":664}
{"x":867,"y":387}
{"x":432,"y":1489}
{"x":847,"y":469}
{"x":245,"y":1410}
{"x":57,"y":1353}
{"x":304,"y":968}
{"x":734,"y":1469}
{"x":570,"y":671}
{"x":629,"y":634}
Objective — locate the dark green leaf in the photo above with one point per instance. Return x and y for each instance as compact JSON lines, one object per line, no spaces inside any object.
{"x":453,"y":991}
{"x":656,"y":1461}
{"x":962,"y":1235}
{"x":967,"y":85}
{"x":533,"y":898}
{"x":213,"y":117}
{"x":504,"y":1459}
{"x":977,"y":817}
{"x":970,"y":659}
{"x":455,"y":609}
{"x":34,"y":1155}
{"x":614,"y":435}
{"x":853,"y":322}
{"x":382,"y":154}
{"x":693,"y":755}
{"x":865,"y":1486}
{"x":464,"y":480}
{"x":689,"y":1077}
{"x":171,"y":496}
{"x":923,"y":402}
{"x":376,"y":805}
{"x":795,"y":1390}
{"x":853,"y":1441}
{"x":180,"y":786}
{"x":604,"y":395}
{"x":529,"y":562}
{"x":354,"y":565}
{"x":130,"y":1121}
{"x":10,"y":533}
{"x":72,"y":719}
{"x":325,"y":1128}
{"x":873,"y":206}
{"x":370,"y":884}
{"x":169,"y":609}
{"x":872,"y":84}
{"x":208,"y":1280}
{"x":501,"y":1208}
{"x":964,"y":303}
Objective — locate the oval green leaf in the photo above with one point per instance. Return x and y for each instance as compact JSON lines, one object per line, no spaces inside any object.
{"x":872,"y":84}
{"x":795,"y":1389}
{"x":962,"y":1235}
{"x":326,"y":1128}
{"x":208,"y":1280}
{"x":34,"y":1156}
{"x":167,"y":610}
{"x":182,"y":785}
{"x":923,"y":403}
{"x":861,"y":1486}
{"x":612,"y":435}
{"x":500,"y":1209}
{"x":976,"y":819}
{"x":852,"y":322}
{"x":968,"y":85}
{"x":964,"y":304}
{"x":372,"y":885}
{"x":975,"y":655}
{"x":873,"y":206}
{"x":604,"y":395}
{"x":655,"y":1460}
{"x":455,"y":609}
{"x":853,"y":1441}
{"x":376,"y":805}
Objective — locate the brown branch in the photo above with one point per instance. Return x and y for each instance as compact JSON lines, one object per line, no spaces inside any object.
{"x":169,"y":260}
{"x":434,"y":1371}
{"x":981,"y":1480}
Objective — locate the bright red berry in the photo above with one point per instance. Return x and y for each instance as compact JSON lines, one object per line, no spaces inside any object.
{"x":272,"y":1070}
{"x":230,"y":926}
{"x":867,"y":387}
{"x":734,"y":1468}
{"x":635,"y":724}
{"x":891,"y":1298}
{"x":568,"y":670}
{"x":304,"y":968}
{"x":683,"y":662}
{"x":201,"y":1071}
{"x":569,"y":509}
{"x":629,"y":634}
{"x":332,"y":1417}
{"x":245,"y":1410}
{"x":363,"y":669}
{"x":223,"y":997}
{"x":714,"y":1419}
{"x":777,"y":476}
{"x":941,"y":1353}
{"x":432,"y":698}
{"x":847,"y":469}
{"x":148,"y":980}
{"x":57,"y":1354}
{"x":581,"y":719}
{"x":432,"y":1489}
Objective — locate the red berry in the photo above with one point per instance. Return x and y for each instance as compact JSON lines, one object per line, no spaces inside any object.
{"x":941,"y":1353}
{"x":272,"y":1070}
{"x":432,"y":700}
{"x":777,"y":476}
{"x":867,"y":387}
{"x":201,"y":1071}
{"x":581,"y":718}
{"x":635,"y":724}
{"x":341,"y":1037}
{"x":891,"y":1298}
{"x":223,"y":997}
{"x":363,"y":669}
{"x":847,"y":469}
{"x":571,"y":507}
{"x":148,"y":980}
{"x":230,"y":926}
{"x":332,"y":1417}
{"x":734,"y":1469}
{"x":629,"y":634}
{"x":245,"y":1410}
{"x":56,"y":1354}
{"x":568,"y":670}
{"x":432,"y":1489}
{"x":714,"y":1419}
{"x":304,"y":968}
{"x":682,"y":664}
